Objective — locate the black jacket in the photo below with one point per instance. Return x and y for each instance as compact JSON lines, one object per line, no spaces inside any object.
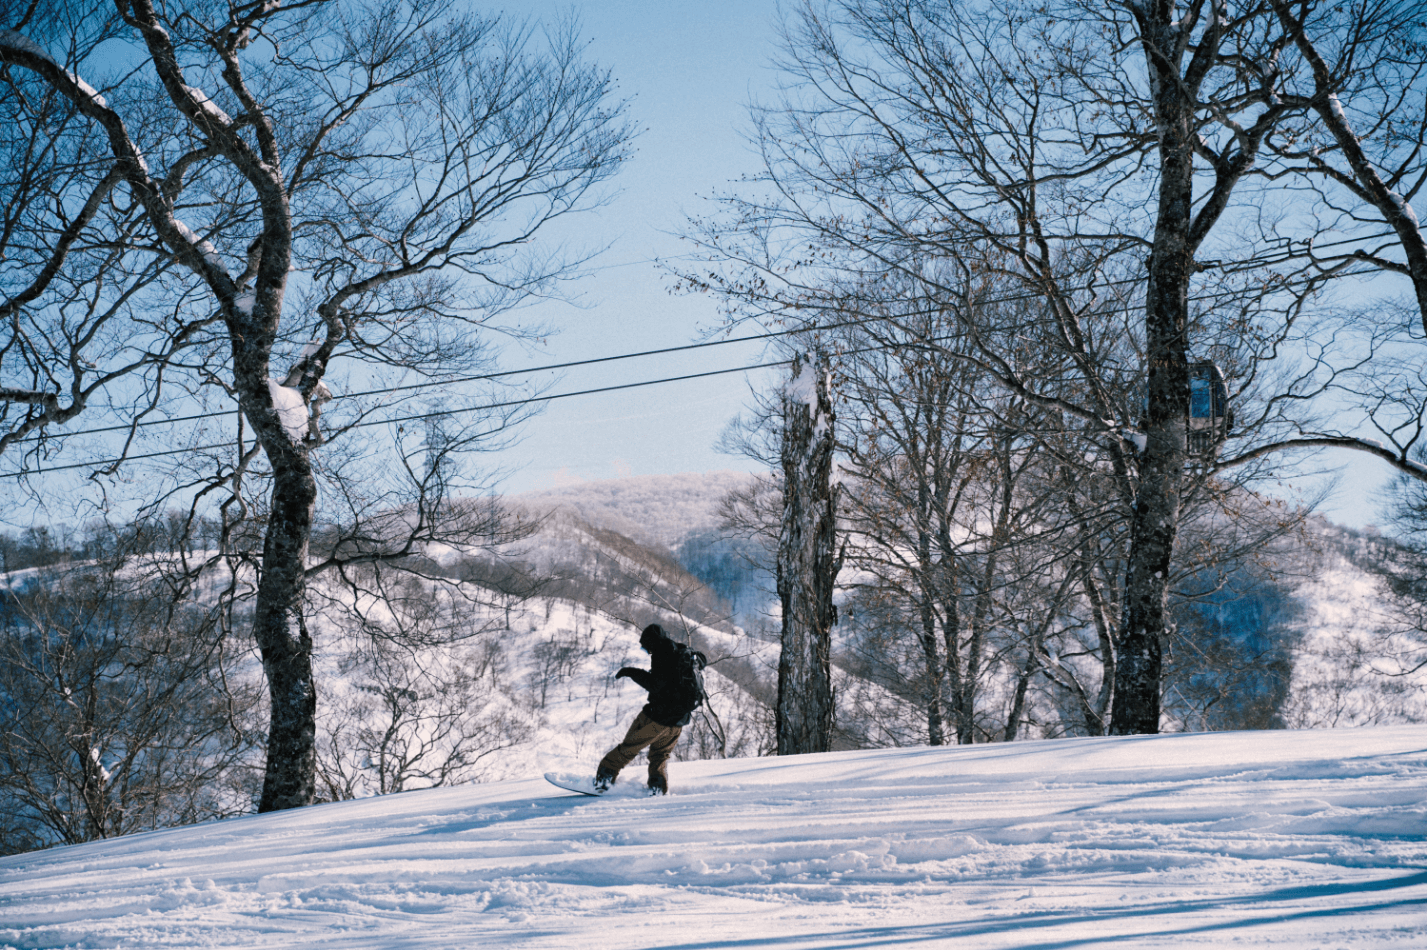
{"x":666,"y":706}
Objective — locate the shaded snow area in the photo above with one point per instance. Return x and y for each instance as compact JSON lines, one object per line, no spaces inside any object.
{"x":1271,"y":839}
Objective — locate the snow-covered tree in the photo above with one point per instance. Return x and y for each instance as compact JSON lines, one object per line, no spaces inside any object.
{"x":254,"y":192}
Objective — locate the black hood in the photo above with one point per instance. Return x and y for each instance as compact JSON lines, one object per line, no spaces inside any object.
{"x":653,"y":636}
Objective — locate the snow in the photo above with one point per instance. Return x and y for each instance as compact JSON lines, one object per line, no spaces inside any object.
{"x":291,"y":410}
{"x":245,"y":302}
{"x":89,"y":91}
{"x":1270,"y":839}
{"x":209,"y":252}
{"x":207,"y":105}
{"x":104,"y":774}
{"x":661,"y":509}
{"x":25,"y":44}
{"x":803,"y":388}
{"x":1347,"y":669}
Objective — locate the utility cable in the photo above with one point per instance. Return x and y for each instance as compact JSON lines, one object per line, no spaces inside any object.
{"x":515,"y":403}
{"x":573,"y":364}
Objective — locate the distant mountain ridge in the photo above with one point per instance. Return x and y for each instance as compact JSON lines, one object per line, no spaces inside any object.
{"x":652,"y":509}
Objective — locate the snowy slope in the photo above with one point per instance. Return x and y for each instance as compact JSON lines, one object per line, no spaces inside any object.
{"x":1347,"y":669}
{"x":1275,"y":839}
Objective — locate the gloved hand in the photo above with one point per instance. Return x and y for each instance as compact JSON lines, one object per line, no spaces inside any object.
{"x":625,"y":671}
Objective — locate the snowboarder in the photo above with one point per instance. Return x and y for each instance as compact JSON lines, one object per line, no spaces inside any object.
{"x":676,"y":689}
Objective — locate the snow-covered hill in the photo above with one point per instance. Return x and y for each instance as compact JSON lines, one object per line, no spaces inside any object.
{"x":1356,"y":663}
{"x":1274,"y":839}
{"x":1345,"y":665}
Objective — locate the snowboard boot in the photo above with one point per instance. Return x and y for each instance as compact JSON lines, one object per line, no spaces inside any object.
{"x":658,"y":785}
{"x":603,"y":780}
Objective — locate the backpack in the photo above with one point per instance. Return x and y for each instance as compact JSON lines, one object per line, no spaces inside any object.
{"x":687,"y":689}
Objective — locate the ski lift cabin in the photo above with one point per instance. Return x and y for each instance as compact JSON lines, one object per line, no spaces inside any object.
{"x":1210,"y":415}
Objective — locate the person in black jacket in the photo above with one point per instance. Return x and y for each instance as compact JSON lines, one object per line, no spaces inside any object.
{"x":671,"y":703}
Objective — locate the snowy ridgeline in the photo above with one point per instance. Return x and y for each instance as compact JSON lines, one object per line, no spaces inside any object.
{"x":659,"y":509}
{"x":1269,"y":839}
{"x":1320,"y":639}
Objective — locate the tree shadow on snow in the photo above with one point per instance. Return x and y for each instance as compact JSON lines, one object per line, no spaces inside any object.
{"x":924,"y":933}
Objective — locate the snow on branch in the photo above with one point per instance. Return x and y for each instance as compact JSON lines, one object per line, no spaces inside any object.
{"x":292,"y":411}
{"x":207,"y":104}
{"x":209,"y":252}
{"x":20,"y":43}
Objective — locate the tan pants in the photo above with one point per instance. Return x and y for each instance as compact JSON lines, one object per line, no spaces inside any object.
{"x":644,"y":731}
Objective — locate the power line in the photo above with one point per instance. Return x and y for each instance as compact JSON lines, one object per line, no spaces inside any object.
{"x":515,"y":403}
{"x":573,"y":364}
{"x":454,"y":381}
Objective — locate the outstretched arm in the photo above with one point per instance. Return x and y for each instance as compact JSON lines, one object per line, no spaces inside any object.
{"x":635,"y":673}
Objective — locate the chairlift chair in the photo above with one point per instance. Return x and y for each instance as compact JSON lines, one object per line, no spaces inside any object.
{"x":1210,"y":416}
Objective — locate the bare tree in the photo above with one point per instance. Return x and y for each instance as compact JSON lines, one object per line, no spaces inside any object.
{"x":808,"y":561}
{"x":1352,"y":154}
{"x":416,"y":717}
{"x":1092,"y":156}
{"x":1362,"y":71}
{"x":382,"y":168}
{"x":121,"y":710}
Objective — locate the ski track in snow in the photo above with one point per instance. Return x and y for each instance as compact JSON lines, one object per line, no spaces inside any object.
{"x":1272,"y":839}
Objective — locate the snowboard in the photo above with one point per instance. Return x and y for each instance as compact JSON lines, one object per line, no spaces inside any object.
{"x":583,"y":784}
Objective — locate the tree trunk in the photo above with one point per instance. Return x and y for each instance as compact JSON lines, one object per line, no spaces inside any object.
{"x":932,"y":666}
{"x":807,"y":564}
{"x":1018,"y":707}
{"x":927,"y":634}
{"x":279,"y":628}
{"x":1156,"y":516}
{"x":1095,"y":717}
{"x":951,"y":632}
{"x":981,"y":615}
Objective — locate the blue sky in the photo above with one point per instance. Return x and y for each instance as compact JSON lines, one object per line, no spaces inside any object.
{"x":689,"y":70}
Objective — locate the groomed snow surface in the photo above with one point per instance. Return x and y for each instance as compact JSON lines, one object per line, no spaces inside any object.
{"x":1310,"y":839}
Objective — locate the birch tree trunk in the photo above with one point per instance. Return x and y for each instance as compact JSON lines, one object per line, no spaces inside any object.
{"x":280,"y":630}
{"x":807,"y":564}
